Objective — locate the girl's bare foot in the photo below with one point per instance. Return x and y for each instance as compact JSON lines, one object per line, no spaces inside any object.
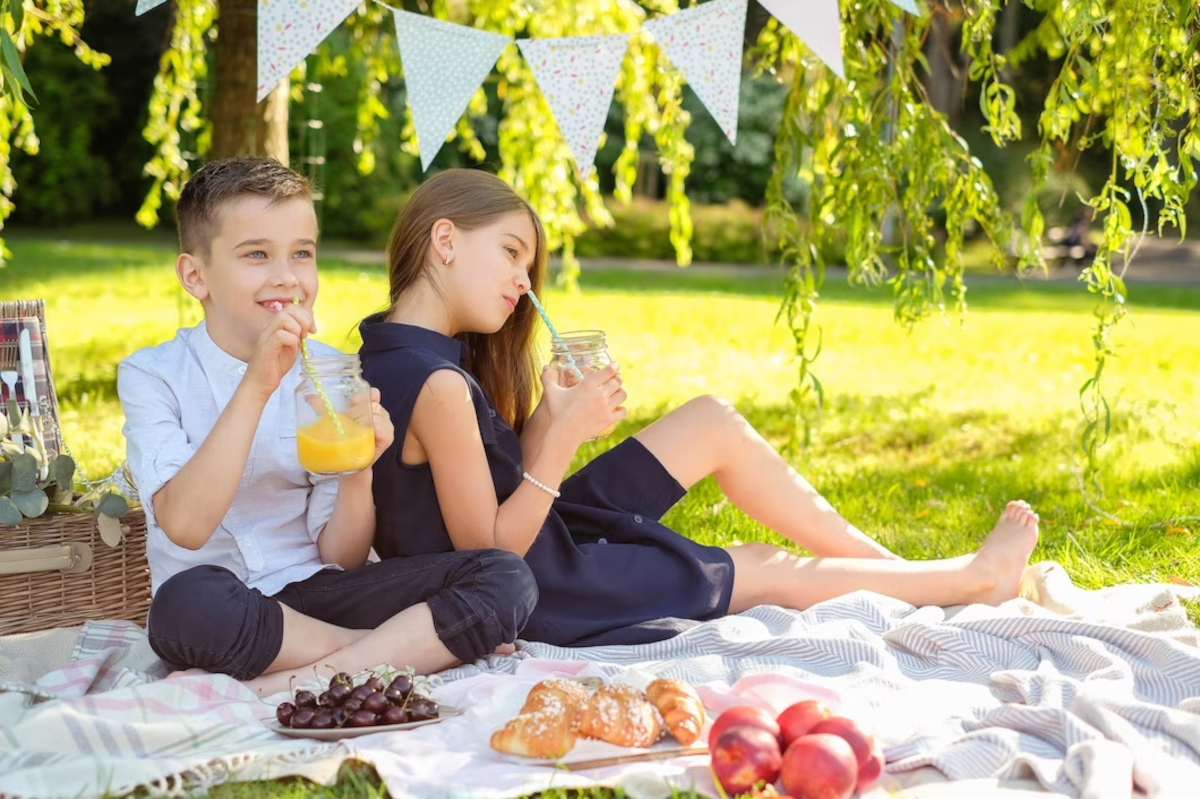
{"x":998,"y":565}
{"x":187,"y":673}
{"x":268,"y":684}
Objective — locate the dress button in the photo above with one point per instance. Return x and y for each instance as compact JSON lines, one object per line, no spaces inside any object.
{"x":637,"y":519}
{"x":602,"y":541}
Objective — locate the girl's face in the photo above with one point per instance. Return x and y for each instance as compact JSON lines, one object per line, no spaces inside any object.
{"x":488,"y":272}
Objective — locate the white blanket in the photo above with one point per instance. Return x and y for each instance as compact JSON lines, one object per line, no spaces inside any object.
{"x":1095,"y":698}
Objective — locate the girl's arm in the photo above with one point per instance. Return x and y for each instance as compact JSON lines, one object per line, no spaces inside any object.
{"x":446,"y":429}
{"x":534,"y":431}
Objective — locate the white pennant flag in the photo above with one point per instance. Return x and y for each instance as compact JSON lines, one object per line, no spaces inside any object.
{"x":144,"y":5}
{"x":444,"y":64}
{"x":705,"y":44}
{"x":908,"y":5}
{"x":817,"y":23}
{"x":577,"y":76}
{"x":288,"y":30}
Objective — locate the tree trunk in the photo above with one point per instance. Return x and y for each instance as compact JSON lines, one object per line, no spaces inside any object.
{"x":240,"y":125}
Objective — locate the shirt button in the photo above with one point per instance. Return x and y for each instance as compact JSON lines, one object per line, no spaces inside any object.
{"x":241,"y":370}
{"x":492,"y":412}
{"x":602,"y":541}
{"x":637,"y":519}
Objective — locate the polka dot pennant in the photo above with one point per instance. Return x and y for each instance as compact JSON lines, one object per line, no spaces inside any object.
{"x":577,"y":76}
{"x":705,"y":44}
{"x":817,"y":23}
{"x":288,"y":30}
{"x":444,"y":64}
{"x":146,"y":5}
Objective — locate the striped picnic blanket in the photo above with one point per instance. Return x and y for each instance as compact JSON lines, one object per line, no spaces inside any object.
{"x":1091,"y":693}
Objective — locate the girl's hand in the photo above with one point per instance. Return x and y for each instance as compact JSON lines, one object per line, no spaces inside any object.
{"x":365,"y":409}
{"x":588,"y":408}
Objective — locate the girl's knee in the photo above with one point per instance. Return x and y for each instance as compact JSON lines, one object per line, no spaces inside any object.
{"x":716,"y":410}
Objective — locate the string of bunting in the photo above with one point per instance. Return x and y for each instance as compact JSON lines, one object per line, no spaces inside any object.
{"x":445,"y":63}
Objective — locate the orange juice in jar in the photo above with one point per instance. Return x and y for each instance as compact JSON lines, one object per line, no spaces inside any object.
{"x":589,"y":351}
{"x":334,"y":430}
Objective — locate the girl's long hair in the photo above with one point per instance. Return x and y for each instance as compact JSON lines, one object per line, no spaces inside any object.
{"x":505,"y":362}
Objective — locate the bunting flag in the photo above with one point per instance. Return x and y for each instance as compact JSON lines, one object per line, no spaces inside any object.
{"x":577,"y":76}
{"x":288,"y":30}
{"x":908,"y":5}
{"x":817,"y":23}
{"x":147,"y":5}
{"x":705,"y":44}
{"x":444,"y":65}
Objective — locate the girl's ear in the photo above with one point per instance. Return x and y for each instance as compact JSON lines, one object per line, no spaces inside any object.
{"x":442,"y":238}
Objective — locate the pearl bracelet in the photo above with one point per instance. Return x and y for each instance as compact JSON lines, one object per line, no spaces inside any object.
{"x":541,"y":485}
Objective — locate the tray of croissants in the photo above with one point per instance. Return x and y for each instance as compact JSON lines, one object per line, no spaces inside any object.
{"x":558,"y":714}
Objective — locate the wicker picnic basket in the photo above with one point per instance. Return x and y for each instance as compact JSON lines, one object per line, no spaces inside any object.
{"x":55,"y":570}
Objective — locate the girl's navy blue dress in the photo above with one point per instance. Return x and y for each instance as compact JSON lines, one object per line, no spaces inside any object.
{"x":608,"y":571}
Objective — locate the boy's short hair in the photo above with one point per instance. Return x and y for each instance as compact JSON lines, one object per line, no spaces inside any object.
{"x":220,"y":181}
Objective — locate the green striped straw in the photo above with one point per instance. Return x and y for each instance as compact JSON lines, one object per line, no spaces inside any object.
{"x":312,"y":375}
{"x":554,"y":333}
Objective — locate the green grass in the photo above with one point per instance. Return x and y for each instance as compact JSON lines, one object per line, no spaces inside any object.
{"x":924,"y":436}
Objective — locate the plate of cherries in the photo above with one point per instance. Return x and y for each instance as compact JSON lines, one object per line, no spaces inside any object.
{"x":346,"y":710}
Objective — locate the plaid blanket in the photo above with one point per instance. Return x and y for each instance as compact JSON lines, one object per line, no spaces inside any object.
{"x":1092,"y":698}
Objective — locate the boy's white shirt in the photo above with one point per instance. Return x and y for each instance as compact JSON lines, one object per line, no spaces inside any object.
{"x":172,"y":395}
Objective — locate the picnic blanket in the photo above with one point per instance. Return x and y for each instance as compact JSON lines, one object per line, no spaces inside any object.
{"x":1089,"y":693}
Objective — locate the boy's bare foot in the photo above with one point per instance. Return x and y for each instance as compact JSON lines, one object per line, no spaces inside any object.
{"x":997,"y":566}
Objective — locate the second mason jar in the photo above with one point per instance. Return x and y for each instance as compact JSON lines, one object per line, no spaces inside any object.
{"x":335,"y":433}
{"x":589,"y":351}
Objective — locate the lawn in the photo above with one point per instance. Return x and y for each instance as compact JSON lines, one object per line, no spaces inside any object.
{"x":923,"y":438}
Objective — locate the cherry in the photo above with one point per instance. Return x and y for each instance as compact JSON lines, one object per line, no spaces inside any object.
{"x":395,"y":715}
{"x":305,"y":699}
{"x":374,"y":683}
{"x":363,"y":718}
{"x":322,"y":721}
{"x":338,"y":693}
{"x":403,"y":684}
{"x":340,"y":716}
{"x":375,"y":703}
{"x":302,"y":719}
{"x":361,"y":693}
{"x":421,"y":708}
{"x":342,"y":678}
{"x":352,"y":705}
{"x":284,"y":713}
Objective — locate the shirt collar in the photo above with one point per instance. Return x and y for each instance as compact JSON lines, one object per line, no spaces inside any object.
{"x":379,"y":335}
{"x":213,"y":356}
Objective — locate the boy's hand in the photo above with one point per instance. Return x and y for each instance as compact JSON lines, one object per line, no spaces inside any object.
{"x":380,"y":420}
{"x":277,"y":346}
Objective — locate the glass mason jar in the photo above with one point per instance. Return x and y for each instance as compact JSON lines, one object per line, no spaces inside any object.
{"x":589,"y":351}
{"x":335,"y":433}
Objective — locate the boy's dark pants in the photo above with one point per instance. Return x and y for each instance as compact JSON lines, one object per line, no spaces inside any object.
{"x":207,"y":618}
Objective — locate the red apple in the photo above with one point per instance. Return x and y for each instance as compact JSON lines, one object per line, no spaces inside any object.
{"x":862,"y":744}
{"x":820,"y":766}
{"x":745,"y":756}
{"x":869,"y":772}
{"x":744,"y":716}
{"x":801,"y":717}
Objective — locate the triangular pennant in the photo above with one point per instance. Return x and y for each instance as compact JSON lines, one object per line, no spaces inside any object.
{"x":577,"y":76}
{"x":705,"y":44}
{"x":145,"y":5}
{"x":444,"y":64}
{"x":908,"y":5}
{"x":817,"y":23}
{"x":288,"y":30}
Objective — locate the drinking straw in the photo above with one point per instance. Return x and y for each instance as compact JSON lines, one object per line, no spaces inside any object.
{"x":554,"y":333}
{"x":312,"y":375}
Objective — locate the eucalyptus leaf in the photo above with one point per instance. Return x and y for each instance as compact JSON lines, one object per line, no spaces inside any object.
{"x":6,"y":470}
{"x":24,"y":476}
{"x":10,"y":514}
{"x":110,"y":530}
{"x":113,"y":505}
{"x":11,"y":449}
{"x":17,"y":9}
{"x":12,"y":59}
{"x":63,"y":469}
{"x":31,"y":503}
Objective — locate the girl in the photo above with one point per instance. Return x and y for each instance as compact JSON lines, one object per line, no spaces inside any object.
{"x":473,"y":468}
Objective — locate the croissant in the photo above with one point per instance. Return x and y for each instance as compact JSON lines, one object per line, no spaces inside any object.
{"x":620,"y":715}
{"x":680,"y":706}
{"x":544,"y":733}
{"x":563,"y":696}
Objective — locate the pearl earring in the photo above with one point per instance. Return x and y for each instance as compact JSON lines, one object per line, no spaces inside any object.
{"x":449,"y":258}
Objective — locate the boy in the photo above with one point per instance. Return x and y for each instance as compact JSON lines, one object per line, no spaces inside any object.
{"x":259,"y":569}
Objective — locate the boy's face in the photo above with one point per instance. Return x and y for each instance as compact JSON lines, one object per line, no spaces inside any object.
{"x":262,"y":254}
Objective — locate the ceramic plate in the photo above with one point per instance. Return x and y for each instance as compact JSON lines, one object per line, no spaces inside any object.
{"x":444,"y":712}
